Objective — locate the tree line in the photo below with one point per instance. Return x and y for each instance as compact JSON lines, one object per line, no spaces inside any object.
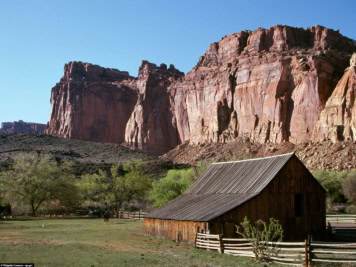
{"x":340,"y":188}
{"x":35,"y":180}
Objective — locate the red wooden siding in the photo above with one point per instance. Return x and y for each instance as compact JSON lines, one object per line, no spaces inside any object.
{"x":182,"y":231}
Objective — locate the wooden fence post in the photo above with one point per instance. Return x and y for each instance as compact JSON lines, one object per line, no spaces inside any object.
{"x":310,"y":255}
{"x":196,"y":237}
{"x":221,"y":244}
{"x":306,"y":253}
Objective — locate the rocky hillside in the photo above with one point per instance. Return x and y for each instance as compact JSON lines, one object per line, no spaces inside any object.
{"x":22,"y":127}
{"x":326,"y":155}
{"x":275,"y":85}
{"x":86,"y":156}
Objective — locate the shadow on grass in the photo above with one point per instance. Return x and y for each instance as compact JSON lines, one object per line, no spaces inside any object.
{"x":124,"y":222}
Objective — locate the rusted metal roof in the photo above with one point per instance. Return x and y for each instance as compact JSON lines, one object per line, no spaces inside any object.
{"x":223,"y":187}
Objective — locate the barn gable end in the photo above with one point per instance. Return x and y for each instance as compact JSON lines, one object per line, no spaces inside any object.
{"x":293,"y":183}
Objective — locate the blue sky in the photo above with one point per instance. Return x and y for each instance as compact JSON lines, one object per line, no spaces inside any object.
{"x":38,"y":37}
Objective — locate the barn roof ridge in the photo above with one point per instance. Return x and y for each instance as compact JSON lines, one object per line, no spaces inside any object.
{"x":280,"y":155}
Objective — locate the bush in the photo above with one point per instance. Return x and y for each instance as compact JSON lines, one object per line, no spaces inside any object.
{"x":260,"y":235}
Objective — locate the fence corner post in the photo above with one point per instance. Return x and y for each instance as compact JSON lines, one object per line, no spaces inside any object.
{"x":195,"y":243}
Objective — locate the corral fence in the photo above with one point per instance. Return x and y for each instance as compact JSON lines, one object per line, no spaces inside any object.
{"x":135,"y":215}
{"x":286,"y":253}
{"x":341,"y":218}
{"x":332,"y":252}
{"x":341,"y":227}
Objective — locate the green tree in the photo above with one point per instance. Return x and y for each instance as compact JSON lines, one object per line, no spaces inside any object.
{"x":332,"y":183}
{"x":349,"y":187}
{"x":263,"y":237}
{"x":35,"y":179}
{"x":2,"y":193}
{"x":174,"y":184}
{"x":120,"y":184}
{"x":2,"y":198}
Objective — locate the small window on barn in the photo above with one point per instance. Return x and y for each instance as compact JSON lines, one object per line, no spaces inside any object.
{"x":298,"y":205}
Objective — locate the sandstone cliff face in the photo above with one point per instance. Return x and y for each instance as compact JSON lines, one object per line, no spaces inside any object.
{"x":105,"y":105}
{"x":269,"y":85}
{"x":22,"y":127}
{"x":151,"y":126}
{"x":338,"y":119}
{"x":92,"y":103}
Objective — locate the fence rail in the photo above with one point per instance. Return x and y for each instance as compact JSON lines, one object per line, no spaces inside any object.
{"x":333,"y":252}
{"x":286,"y":253}
{"x":341,"y":218}
{"x":137,"y":215}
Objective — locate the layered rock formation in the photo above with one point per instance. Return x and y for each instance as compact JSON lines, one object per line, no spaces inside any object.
{"x":92,"y":103}
{"x":151,"y":126}
{"x":270,"y":85}
{"x":22,"y":127}
{"x":338,"y":119}
{"x":103,"y":105}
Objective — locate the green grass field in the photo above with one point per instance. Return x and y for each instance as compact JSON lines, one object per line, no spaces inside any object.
{"x":90,"y":242}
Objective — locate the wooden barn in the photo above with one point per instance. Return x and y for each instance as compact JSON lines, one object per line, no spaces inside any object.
{"x":280,"y":187}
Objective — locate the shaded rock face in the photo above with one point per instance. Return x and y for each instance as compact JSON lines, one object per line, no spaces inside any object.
{"x":269,"y":85}
{"x":151,"y":126}
{"x":103,"y":105}
{"x":22,"y":127}
{"x":338,"y":119}
{"x":92,"y":103}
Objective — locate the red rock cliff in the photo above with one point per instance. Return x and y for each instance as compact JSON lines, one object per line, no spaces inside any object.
{"x":151,"y":126}
{"x":338,"y":119}
{"x":92,"y":103}
{"x":98,"y":104}
{"x":271,"y":85}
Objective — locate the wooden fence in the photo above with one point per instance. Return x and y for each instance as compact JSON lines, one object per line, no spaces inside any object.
{"x":136,"y":215}
{"x":341,"y":218}
{"x":332,"y":252}
{"x":286,"y":253}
